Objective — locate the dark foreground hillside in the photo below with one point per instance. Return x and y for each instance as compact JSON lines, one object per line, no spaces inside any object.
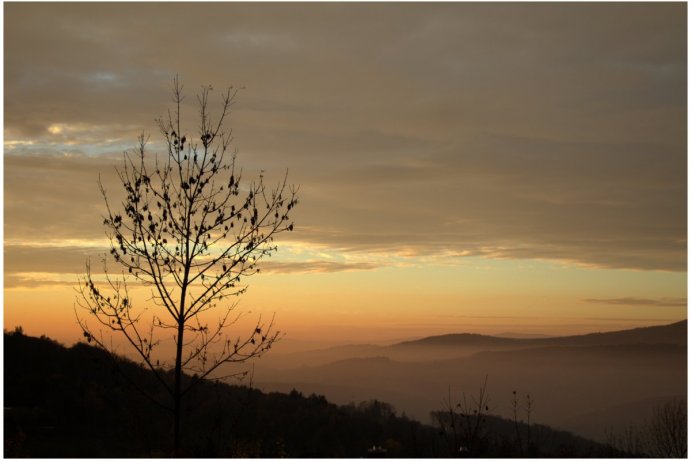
{"x":75,"y":402}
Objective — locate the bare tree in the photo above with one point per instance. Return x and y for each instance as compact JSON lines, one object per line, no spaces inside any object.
{"x":663,"y":435}
{"x":463,"y":424}
{"x":630,"y":441}
{"x":189,"y":230}
{"x":667,"y":430}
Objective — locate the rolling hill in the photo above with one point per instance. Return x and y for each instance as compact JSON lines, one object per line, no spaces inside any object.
{"x":78,"y":402}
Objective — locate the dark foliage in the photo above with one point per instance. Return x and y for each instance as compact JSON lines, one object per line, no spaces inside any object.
{"x":75,"y":402}
{"x":501,"y":438}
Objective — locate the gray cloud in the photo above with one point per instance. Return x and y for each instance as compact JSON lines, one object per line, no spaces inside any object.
{"x":553,"y":131}
{"x":54,"y":196}
{"x":23,"y":259}
{"x":657,"y":302}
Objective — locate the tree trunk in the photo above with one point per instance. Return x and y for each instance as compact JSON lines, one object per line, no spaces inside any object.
{"x":177,"y":394}
{"x":177,"y":391}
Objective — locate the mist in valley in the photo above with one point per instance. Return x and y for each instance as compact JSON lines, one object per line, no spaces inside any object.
{"x":593,"y":385}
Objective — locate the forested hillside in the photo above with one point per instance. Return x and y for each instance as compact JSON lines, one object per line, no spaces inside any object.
{"x":77,"y":402}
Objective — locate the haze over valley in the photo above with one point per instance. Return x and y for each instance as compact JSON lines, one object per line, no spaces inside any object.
{"x":577,"y":383}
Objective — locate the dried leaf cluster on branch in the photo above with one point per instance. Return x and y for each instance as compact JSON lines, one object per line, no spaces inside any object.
{"x":190,"y":229}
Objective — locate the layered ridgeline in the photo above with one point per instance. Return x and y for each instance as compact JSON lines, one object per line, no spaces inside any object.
{"x":78,"y":402}
{"x":592,"y":384}
{"x":464,"y":344}
{"x":674,"y":333}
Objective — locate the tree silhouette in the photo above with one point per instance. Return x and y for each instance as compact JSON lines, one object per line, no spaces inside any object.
{"x":667,"y":432}
{"x":190,"y":230}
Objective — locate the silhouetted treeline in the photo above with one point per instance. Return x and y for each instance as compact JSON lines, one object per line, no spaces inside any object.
{"x":489,"y":436}
{"x":76,"y":402}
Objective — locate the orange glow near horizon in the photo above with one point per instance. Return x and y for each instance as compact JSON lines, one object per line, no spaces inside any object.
{"x":400,"y":302}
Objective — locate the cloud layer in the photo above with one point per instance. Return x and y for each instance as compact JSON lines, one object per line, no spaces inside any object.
{"x":550,"y":131}
{"x":660,"y":302}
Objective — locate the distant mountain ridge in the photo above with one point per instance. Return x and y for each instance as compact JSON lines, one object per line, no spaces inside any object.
{"x":451,"y":346}
{"x":674,"y":333}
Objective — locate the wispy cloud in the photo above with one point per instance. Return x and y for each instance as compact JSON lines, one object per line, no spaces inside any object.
{"x":316,"y":266}
{"x":46,"y":264}
{"x":630,"y":301}
{"x":38,"y":280}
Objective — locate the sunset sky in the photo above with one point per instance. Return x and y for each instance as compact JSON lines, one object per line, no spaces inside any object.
{"x":480,"y":168}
